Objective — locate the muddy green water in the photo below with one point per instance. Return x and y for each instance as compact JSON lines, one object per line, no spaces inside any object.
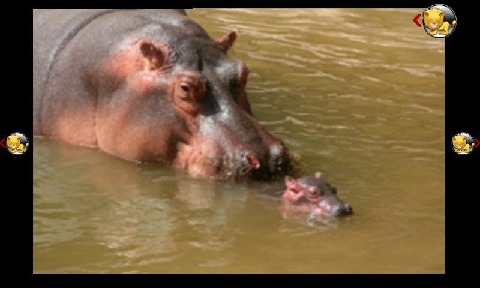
{"x":358,"y":93}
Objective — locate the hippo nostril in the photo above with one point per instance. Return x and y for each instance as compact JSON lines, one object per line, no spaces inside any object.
{"x":339,"y":209}
{"x":253,"y":161}
{"x":346,"y":210}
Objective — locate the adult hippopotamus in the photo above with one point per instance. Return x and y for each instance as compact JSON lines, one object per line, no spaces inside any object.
{"x":149,"y":85}
{"x":313,"y":195}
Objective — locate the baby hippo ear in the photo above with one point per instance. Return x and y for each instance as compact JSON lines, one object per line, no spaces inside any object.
{"x":154,"y":56}
{"x":227,"y":40}
{"x":289,"y":181}
{"x":318,"y":174}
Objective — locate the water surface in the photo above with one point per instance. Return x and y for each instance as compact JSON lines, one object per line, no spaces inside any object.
{"x":358,"y":93}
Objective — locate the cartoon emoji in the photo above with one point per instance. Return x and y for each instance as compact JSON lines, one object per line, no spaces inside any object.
{"x":17,"y":143}
{"x":439,"y":20}
{"x":462,"y":143}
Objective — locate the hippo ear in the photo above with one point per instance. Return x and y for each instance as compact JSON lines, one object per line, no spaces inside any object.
{"x":289,"y":181}
{"x":226,"y":41}
{"x":153,"y":55}
{"x":318,"y":174}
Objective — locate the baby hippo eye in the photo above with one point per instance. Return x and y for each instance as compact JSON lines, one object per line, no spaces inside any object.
{"x":314,"y":191}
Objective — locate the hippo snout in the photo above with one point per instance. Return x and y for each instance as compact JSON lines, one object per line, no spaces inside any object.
{"x":314,"y":195}
{"x":333,"y":206}
{"x":273,"y":162}
{"x":252,"y":163}
{"x":342,"y":209}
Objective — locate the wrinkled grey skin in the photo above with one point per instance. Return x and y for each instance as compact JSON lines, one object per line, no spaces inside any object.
{"x":148,"y":85}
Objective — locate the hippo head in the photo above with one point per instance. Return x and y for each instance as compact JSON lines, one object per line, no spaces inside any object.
{"x":314,"y":195}
{"x":169,"y":92}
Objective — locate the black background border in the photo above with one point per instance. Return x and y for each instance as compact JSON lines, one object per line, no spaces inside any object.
{"x":18,"y":203}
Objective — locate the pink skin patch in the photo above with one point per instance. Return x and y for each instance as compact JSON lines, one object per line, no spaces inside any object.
{"x":293,"y":205}
{"x":292,"y":196}
{"x":295,"y":199}
{"x":253,"y":161}
{"x":131,"y":64}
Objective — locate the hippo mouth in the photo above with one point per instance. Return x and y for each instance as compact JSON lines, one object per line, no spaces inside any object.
{"x":198,"y":162}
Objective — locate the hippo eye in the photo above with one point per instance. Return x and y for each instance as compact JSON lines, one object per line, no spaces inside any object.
{"x":188,"y":91}
{"x":314,"y":191}
{"x":191,"y":89}
{"x":185,"y":92}
{"x":185,"y":87}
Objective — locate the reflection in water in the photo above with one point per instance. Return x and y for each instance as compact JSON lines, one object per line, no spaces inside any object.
{"x":361,"y":101}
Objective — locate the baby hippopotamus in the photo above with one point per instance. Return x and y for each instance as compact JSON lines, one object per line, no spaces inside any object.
{"x":314,"y":195}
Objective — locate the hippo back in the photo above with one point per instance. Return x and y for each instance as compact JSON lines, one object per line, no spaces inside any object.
{"x":53,"y":31}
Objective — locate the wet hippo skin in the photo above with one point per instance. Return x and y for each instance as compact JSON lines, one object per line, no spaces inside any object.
{"x":149,"y":86}
{"x":313,"y":195}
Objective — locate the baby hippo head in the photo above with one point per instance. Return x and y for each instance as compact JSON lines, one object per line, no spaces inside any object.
{"x":314,"y":195}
